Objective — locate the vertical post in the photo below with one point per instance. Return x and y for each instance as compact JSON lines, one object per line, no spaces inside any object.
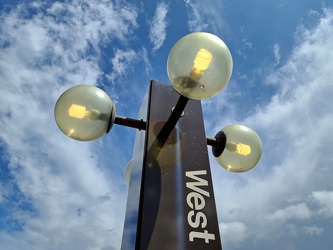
{"x":132,"y":216}
{"x":176,"y":207}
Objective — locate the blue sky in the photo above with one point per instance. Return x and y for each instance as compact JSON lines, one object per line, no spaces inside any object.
{"x":56,"y":193}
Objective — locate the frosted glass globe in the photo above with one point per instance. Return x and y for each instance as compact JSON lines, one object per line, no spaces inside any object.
{"x":241,"y":148}
{"x":199,"y":65}
{"x":84,"y":113}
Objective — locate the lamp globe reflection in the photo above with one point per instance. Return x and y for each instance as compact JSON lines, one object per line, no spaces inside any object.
{"x":199,"y":65}
{"x":84,"y":113}
{"x":239,"y":148}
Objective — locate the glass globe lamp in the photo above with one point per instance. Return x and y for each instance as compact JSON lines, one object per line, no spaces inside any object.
{"x":199,"y":65}
{"x":239,"y":148}
{"x":84,"y":113}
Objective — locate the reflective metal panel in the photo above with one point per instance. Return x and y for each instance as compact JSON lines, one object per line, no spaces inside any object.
{"x":177,"y":206}
{"x":131,"y":229}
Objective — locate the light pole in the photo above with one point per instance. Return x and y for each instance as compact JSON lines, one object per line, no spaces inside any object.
{"x":171,"y":201}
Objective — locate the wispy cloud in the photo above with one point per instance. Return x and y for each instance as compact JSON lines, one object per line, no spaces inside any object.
{"x":203,"y":15}
{"x":313,"y":230}
{"x":196,"y":20}
{"x":158,"y":25}
{"x":325,"y":201}
{"x":56,"y":193}
{"x":295,"y":128}
{"x":234,"y":233}
{"x":121,"y":62}
{"x":45,"y":49}
{"x":124,"y":63}
{"x":277,"y":53}
{"x":298,"y":211}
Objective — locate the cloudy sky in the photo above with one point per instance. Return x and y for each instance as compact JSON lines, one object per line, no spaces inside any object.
{"x":57,"y":193}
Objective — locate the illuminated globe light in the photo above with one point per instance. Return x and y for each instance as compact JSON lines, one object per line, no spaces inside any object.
{"x":239,"y":148}
{"x":84,"y":113}
{"x":199,"y":65}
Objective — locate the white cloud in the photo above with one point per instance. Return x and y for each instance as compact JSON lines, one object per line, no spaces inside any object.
{"x":125,"y":64}
{"x":68,"y":202}
{"x":234,"y":233}
{"x":196,"y":19}
{"x":157,"y":31}
{"x":65,"y":198}
{"x":242,"y":51}
{"x":325,"y":200}
{"x":203,"y":15}
{"x":313,"y":230}
{"x":299,"y":211}
{"x":277,"y":53}
{"x":122,"y":62}
{"x":295,"y":129}
{"x":146,"y":61}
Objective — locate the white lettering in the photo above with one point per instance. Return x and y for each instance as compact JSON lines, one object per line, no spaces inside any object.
{"x":200,"y":182}
{"x":196,"y":201}
{"x":205,"y":235}
{"x":196,"y":222}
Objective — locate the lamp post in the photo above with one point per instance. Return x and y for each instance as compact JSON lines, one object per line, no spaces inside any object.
{"x":171,"y":201}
